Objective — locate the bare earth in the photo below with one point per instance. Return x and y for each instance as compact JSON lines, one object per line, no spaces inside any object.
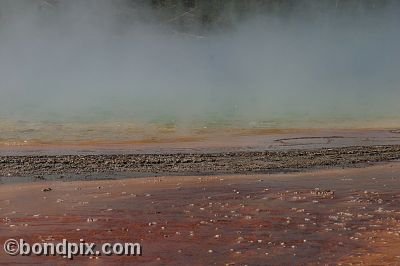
{"x":316,"y":203}
{"x":278,"y":219}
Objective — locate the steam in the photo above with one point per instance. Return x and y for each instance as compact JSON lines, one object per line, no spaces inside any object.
{"x":80,"y":62}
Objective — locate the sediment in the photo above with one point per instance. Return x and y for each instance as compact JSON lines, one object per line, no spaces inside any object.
{"x":197,"y":163}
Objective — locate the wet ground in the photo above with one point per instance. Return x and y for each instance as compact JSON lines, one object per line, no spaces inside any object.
{"x":207,"y":141}
{"x":92,"y":167}
{"x":337,"y":216}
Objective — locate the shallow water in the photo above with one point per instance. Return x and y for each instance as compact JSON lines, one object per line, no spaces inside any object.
{"x":23,"y":133}
{"x":255,"y":220}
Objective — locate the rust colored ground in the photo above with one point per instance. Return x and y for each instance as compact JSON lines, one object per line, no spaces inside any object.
{"x":212,"y":141}
{"x":218,"y":220}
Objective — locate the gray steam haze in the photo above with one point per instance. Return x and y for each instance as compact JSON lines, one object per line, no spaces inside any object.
{"x":80,"y":62}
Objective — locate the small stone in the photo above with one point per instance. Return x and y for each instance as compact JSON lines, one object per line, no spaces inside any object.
{"x":91,"y":220}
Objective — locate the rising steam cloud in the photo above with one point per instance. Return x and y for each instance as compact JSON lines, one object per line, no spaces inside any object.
{"x":80,"y":61}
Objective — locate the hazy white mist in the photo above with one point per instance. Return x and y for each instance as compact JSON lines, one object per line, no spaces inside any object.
{"x":81,"y":62}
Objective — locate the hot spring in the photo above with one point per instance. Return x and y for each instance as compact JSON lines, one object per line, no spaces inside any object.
{"x":82,"y":71}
